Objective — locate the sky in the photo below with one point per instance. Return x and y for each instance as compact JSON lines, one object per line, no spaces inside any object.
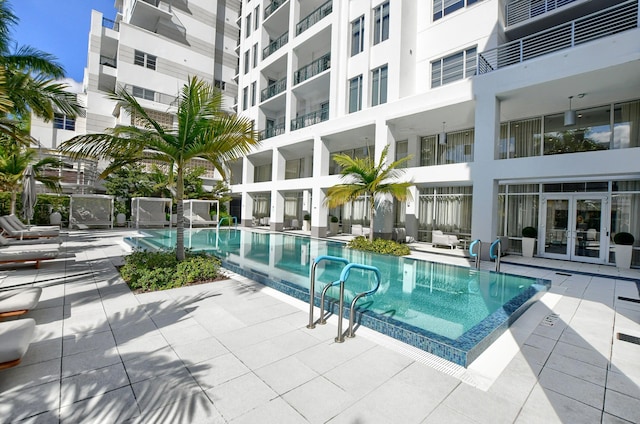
{"x":60,"y":28}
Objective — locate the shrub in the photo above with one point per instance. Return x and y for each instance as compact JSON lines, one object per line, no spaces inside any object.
{"x":529,"y":232}
{"x":307,"y":217}
{"x":624,"y":239}
{"x":385,"y":247}
{"x":334,"y":219}
{"x":148,"y":271}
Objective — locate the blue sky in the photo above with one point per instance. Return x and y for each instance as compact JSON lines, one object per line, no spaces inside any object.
{"x":59,"y":27}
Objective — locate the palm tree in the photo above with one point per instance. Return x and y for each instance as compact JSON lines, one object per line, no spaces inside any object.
{"x":203,"y":131}
{"x":364,"y":178}
{"x":14,"y":159}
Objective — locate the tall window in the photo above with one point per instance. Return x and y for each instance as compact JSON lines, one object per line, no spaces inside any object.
{"x":144,"y":59}
{"x":256,"y":17}
{"x":458,"y":148}
{"x":357,"y":36}
{"x":592,"y":131}
{"x":519,"y":139}
{"x":262,"y":173}
{"x":381,"y":23}
{"x":247,"y":25}
{"x":355,"y":94}
{"x":255,"y":55}
{"x":402,"y":151}
{"x":447,"y":209}
{"x":454,"y":67}
{"x":246,"y":61}
{"x":379,"y":86}
{"x":64,"y":122}
{"x":253,"y":93}
{"x":245,"y":98}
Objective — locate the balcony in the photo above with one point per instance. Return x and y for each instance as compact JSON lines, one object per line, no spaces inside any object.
{"x":309,"y":119}
{"x":154,"y":96}
{"x":272,"y":7}
{"x":523,"y":10}
{"x":272,"y":132}
{"x":274,"y":89}
{"x":312,"y":69}
{"x":314,"y":17}
{"x":109,"y":61}
{"x":275,"y":45}
{"x":603,"y":23}
{"x":108,"y":23}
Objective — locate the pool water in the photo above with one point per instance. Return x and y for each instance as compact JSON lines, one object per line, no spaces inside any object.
{"x":448,"y":310}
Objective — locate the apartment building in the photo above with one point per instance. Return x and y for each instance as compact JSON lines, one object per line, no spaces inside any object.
{"x":515,"y":114}
{"x":150,"y":49}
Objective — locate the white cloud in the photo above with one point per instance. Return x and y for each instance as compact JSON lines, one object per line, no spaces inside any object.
{"x":74,"y":86}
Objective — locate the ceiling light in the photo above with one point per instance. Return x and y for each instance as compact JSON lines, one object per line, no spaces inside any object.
{"x":570,"y":115}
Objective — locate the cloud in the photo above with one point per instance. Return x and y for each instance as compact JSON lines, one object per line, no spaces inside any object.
{"x":73,"y":85}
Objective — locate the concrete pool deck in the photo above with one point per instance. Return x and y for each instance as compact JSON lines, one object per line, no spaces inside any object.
{"x":236,"y":351}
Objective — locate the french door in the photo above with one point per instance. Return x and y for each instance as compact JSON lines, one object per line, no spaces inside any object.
{"x":575,"y":227}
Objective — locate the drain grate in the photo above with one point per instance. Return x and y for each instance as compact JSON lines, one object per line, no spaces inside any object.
{"x":550,"y":320}
{"x":628,"y":338}
{"x":564,"y":273}
{"x":629,"y":299}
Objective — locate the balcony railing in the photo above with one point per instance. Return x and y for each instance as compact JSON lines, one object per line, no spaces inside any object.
{"x":523,"y":10}
{"x":152,"y":95}
{"x":272,"y":132}
{"x":314,"y":68}
{"x":275,"y":88}
{"x":108,"y":23}
{"x":309,"y":119}
{"x":108,"y":61}
{"x":272,"y":7}
{"x":606,"y":22}
{"x":275,"y":45}
{"x":314,"y":17}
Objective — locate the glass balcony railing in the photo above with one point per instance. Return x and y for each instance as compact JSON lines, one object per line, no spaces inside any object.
{"x":272,"y":132}
{"x":272,"y":7}
{"x":606,"y":22}
{"x":274,"y":89}
{"x":309,"y":119}
{"x":275,"y":45}
{"x":523,"y":10}
{"x":108,"y":23}
{"x":314,"y":17}
{"x":312,"y":69}
{"x":108,"y":61}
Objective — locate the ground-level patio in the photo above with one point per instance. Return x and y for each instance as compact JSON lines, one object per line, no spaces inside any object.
{"x":236,"y":351}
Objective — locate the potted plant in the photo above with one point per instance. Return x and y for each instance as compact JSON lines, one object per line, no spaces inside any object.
{"x":624,"y":249}
{"x":306,"y":223}
{"x":333,"y":225}
{"x":529,"y":235}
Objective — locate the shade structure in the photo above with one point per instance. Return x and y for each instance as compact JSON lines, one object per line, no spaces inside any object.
{"x":29,"y":196}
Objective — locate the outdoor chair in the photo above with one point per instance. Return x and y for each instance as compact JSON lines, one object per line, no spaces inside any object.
{"x":12,"y":231}
{"x":22,"y":226}
{"x":440,"y":239}
{"x":19,"y":301}
{"x":28,"y":253}
{"x":15,"y":337}
{"x":29,"y":241}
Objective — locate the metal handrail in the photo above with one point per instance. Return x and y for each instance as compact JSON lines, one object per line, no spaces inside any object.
{"x":276,"y":130}
{"x":497,"y":243}
{"x":228,"y":218}
{"x":314,"y":17}
{"x":275,"y":45}
{"x":272,"y":7}
{"x":350,"y":332}
{"x":476,"y":254}
{"x":603,"y":23}
{"x":314,"y":68}
{"x":274,"y":89}
{"x":312,"y":287}
{"x":309,"y":119}
{"x":523,"y":10}
{"x":108,"y":61}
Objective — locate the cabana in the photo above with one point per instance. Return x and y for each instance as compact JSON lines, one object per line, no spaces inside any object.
{"x":198,"y":212}
{"x":90,"y":210}
{"x":150,"y":211}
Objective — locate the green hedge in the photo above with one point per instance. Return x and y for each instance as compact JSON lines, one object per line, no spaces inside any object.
{"x":46,"y":204}
{"x":386,"y":247}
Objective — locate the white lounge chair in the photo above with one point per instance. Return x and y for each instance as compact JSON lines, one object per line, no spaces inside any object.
{"x":440,"y":239}
{"x":19,"y":301}
{"x":22,"y":226}
{"x":29,"y":253}
{"x":15,"y":337}
{"x":29,"y":241}
{"x":12,"y":231}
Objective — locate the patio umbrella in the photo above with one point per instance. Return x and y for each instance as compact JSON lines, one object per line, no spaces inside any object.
{"x":29,"y":197}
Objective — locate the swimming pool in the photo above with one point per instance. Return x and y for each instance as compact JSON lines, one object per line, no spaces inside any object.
{"x":451,"y":311}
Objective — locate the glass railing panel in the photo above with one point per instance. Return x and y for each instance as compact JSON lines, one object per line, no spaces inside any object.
{"x":312,"y":69}
{"x":275,"y":45}
{"x":108,"y":23}
{"x":314,"y":17}
{"x":274,"y":89}
{"x":272,"y":7}
{"x":309,"y":119}
{"x":272,"y":132}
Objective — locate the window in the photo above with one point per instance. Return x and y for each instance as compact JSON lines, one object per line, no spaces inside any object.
{"x":592,"y":131}
{"x":64,"y":122}
{"x":262,"y":173}
{"x":379,"y":86}
{"x":444,"y":7}
{"x":355,"y":94}
{"x":144,"y":59}
{"x":357,"y":36}
{"x":293,"y":169}
{"x":255,"y":55}
{"x":402,"y":151}
{"x":458,"y":148}
{"x":253,"y":93}
{"x":381,"y":23}
{"x":247,"y":25}
{"x":256,"y":17}
{"x":454,"y":67}
{"x":246,"y":61}
{"x":245,"y":98}
{"x":143,"y":93}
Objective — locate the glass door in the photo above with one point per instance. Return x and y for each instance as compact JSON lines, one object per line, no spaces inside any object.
{"x":574,"y":227}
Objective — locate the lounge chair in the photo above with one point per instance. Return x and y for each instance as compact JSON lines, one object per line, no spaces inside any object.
{"x":28,"y":253}
{"x":15,"y":337}
{"x":22,"y":226}
{"x":29,"y":241}
{"x":18,"y":301}
{"x":195,"y":220}
{"x":12,"y":231}
{"x":440,"y":239}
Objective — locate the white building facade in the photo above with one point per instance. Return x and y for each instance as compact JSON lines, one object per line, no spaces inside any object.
{"x":516,"y":114}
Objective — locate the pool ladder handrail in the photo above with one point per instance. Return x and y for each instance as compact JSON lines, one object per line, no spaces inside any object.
{"x":228,"y":218}
{"x":357,"y":297}
{"x":476,"y":254}
{"x":312,"y":285}
{"x":498,"y":244}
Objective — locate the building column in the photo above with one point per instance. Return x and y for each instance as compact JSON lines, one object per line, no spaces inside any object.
{"x":276,"y":222}
{"x":320,"y":157}
{"x":247,"y":210}
{"x":412,"y":212}
{"x":384,"y":220}
{"x":484,"y":218}
{"x":319,"y":214}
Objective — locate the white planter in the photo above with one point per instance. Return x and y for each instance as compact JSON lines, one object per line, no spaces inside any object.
{"x":528,"y":245}
{"x":121,"y":219}
{"x":306,"y":225}
{"x":55,"y":218}
{"x":334,"y":228}
{"x":623,"y":256}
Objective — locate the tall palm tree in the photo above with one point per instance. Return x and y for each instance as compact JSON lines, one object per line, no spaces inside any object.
{"x":204,"y":130}
{"x":14,"y":159}
{"x":364,"y":178}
